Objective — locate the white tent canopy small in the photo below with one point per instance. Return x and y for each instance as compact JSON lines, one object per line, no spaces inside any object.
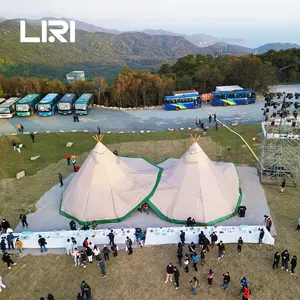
{"x":194,"y":186}
{"x":108,"y":188}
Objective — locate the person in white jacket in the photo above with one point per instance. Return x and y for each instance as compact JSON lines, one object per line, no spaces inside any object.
{"x":69,"y":247}
{"x":76,"y":256}
{"x":1,"y":284}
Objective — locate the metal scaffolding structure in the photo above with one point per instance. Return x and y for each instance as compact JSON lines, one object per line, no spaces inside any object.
{"x":280,"y":150}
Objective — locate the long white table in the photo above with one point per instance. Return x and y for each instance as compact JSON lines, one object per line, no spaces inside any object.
{"x":227,"y":234}
{"x":58,"y":239}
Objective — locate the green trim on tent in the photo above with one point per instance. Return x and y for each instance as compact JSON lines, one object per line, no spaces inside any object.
{"x":160,"y":170}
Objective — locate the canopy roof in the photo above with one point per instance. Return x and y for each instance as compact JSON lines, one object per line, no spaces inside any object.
{"x":194,"y":186}
{"x":108,"y":188}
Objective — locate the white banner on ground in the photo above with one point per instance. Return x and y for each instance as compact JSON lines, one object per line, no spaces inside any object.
{"x":227,"y":234}
{"x":58,"y":239}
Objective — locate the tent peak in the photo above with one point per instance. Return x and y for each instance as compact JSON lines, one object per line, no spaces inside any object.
{"x":98,"y":138}
{"x":195,"y":138}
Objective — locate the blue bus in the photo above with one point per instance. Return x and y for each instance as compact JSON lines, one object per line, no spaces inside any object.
{"x":83,"y":104}
{"x":48,"y":105}
{"x":182,"y":101}
{"x":66,"y":104}
{"x":26,"y":106}
{"x":236,"y":97}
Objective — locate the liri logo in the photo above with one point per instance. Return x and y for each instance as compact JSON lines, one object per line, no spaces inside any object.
{"x":57,"y":33}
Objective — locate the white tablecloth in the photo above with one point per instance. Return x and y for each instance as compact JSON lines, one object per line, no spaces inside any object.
{"x":227,"y":234}
{"x":58,"y":239}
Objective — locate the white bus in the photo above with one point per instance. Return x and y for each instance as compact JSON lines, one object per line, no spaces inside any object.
{"x":8,"y":108}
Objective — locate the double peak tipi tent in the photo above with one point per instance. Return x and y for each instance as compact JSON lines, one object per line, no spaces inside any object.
{"x":108,"y":188}
{"x":194,"y":186}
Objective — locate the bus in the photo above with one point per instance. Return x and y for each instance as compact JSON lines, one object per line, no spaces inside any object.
{"x":182,"y":101}
{"x":26,"y":106}
{"x":83,"y":104}
{"x":66,"y":104}
{"x":48,"y":105}
{"x":8,"y":108}
{"x":2,"y":100}
{"x":235,"y":97}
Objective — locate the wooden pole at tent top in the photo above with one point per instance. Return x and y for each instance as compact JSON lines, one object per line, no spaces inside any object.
{"x":98,"y":138}
{"x":195,"y":138}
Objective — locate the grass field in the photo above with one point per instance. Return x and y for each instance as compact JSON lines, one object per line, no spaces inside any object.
{"x":142,"y":275}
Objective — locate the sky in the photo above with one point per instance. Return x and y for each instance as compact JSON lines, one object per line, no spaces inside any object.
{"x":256,"y":21}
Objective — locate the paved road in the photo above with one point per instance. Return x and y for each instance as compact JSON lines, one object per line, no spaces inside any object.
{"x":136,"y":120}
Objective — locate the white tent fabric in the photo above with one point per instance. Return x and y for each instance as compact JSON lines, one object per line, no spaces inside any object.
{"x":108,"y":187}
{"x":194,"y":186}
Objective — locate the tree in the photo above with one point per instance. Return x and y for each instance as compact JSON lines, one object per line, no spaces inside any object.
{"x":99,"y":88}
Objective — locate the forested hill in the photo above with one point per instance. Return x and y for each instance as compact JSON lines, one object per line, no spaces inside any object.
{"x":99,"y":54}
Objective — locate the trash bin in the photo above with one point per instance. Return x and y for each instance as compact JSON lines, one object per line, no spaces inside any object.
{"x":242,"y":211}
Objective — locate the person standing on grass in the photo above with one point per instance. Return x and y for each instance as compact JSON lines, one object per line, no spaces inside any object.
{"x":101,"y":265}
{"x":80,"y":296}
{"x":129,"y":245}
{"x":96,"y":252}
{"x":111,"y":237}
{"x":170,"y":272}
{"x":179,"y":254}
{"x":105,"y":252}
{"x":226,"y":280}
{"x":243,"y":283}
{"x":210,"y":277}
{"x":23,"y":219}
{"x":114,"y":249}
{"x":76,"y":256}
{"x":276,"y":260}
{"x":88,"y":293}
{"x":10,"y":241}
{"x":68,"y":158}
{"x":6,"y":258}
{"x":201,"y":239}
{"x":282,"y":186}
{"x":186,"y":263}
{"x":2,"y":285}
{"x":192,"y":248}
{"x":98,"y":130}
{"x":32,"y":136}
{"x":19,"y":246}
{"x":42,"y":243}
{"x":194,"y":282}
{"x":285,"y":257}
{"x":182,"y":237}
{"x":293,"y":264}
{"x":246,"y":293}
{"x":221,"y":250}
{"x":213,"y":239}
{"x":217,"y":126}
{"x":14,"y":145}
{"x":60,"y":178}
{"x":269,"y":224}
{"x":3,"y":245}
{"x":4,"y":225}
{"x":89,"y":254}
{"x":85,"y":243}
{"x":83,"y":287}
{"x":261,"y":236}
{"x":68,"y":247}
{"x":176,"y":277}
{"x":239,"y":245}
{"x":202,"y":256}
{"x":195,"y":260}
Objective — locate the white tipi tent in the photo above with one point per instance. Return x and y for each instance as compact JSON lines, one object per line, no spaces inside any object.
{"x":108,"y":188}
{"x":194,"y":186}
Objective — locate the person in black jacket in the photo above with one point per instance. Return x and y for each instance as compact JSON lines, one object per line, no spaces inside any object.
{"x":221,"y":249}
{"x":23,"y":219}
{"x":293,"y":264}
{"x":179,"y":255}
{"x":72,"y":225}
{"x":206,"y":243}
{"x":42,"y":242}
{"x":261,"y":236}
{"x":88,"y":293}
{"x":89,"y":254}
{"x":182,"y":237}
{"x":226,"y":280}
{"x":3,"y":245}
{"x":4,"y":225}
{"x":192,"y":248}
{"x":6,"y":258}
{"x":10,"y":240}
{"x":276,"y":260}
{"x":111,"y":237}
{"x":201,"y":239}
{"x":285,"y":257}
{"x":83,"y":259}
{"x":176,"y":277}
{"x":214,"y":239}
{"x":239,"y":245}
{"x":105,"y":251}
{"x":114,"y":249}
{"x":170,"y":272}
